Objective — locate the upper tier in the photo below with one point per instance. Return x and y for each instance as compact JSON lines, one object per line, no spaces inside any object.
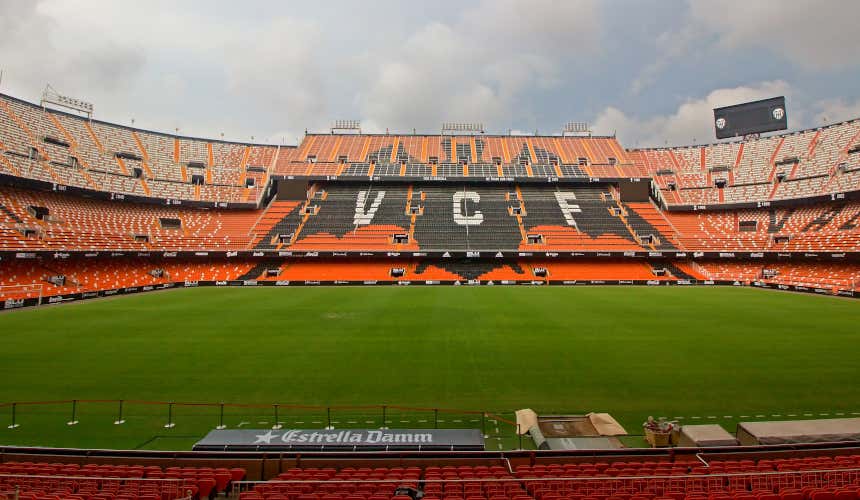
{"x":802,"y":164}
{"x":67,"y":150}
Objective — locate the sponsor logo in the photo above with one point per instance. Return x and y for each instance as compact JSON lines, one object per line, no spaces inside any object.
{"x":846,"y":293}
{"x":625,"y":282}
{"x":551,"y":254}
{"x":652,"y":282}
{"x":116,"y":254}
{"x":720,"y":123}
{"x":312,"y":282}
{"x":110,"y":292}
{"x":249,"y":283}
{"x":61,"y":255}
{"x":597,"y":282}
{"x":258,"y":254}
{"x":370,"y":282}
{"x":685,"y":282}
{"x":680,"y":254}
{"x":810,"y":255}
{"x":131,"y":290}
{"x":708,"y":282}
{"x":537,"y":282}
{"x":525,"y":254}
{"x":431,"y":282}
{"x":569,"y":282}
{"x":508,"y":282}
{"x":143,"y":254}
{"x":13,"y":303}
{"x":756,"y":255}
{"x":366,"y":254}
{"x":786,"y":255}
{"x":473,"y":282}
{"x":341,"y":282}
{"x":232,"y":254}
{"x":91,"y":254}
{"x":285,"y":254}
{"x":404,"y":283}
{"x":419,"y":254}
{"x":312,"y":254}
{"x":25,"y":255}
{"x":393,"y":254}
{"x":221,"y":283}
{"x":190,"y":283}
{"x":837,"y":255}
{"x":629,"y":254}
{"x":725,"y":255}
{"x":446,"y":255}
{"x":170,"y":254}
{"x":338,"y":254}
{"x":472,"y":255}
{"x":499,"y":255}
{"x":801,"y":288}
{"x":698,"y":254}
{"x":148,"y":288}
{"x":577,"y":254}
{"x":282,"y":283}
{"x":783,"y":287}
{"x":655,"y":254}
{"x":778,"y":114}
{"x":201,"y":254}
{"x":604,"y":254}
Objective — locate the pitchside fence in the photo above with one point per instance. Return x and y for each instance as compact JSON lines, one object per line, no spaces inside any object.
{"x":602,"y":487}
{"x":200,"y":417}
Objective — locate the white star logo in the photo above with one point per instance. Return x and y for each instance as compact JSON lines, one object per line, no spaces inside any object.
{"x":265,"y":438}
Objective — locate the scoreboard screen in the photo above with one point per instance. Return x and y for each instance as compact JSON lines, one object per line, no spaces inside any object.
{"x":767,"y":115}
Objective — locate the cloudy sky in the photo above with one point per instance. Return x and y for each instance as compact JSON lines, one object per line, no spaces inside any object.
{"x":650,"y":70}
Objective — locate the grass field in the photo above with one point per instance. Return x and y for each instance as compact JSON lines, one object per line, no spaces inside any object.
{"x":704,"y":354}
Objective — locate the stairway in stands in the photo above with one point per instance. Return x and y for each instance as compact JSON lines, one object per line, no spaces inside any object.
{"x":678,"y":272}
{"x":10,"y":214}
{"x":258,"y":269}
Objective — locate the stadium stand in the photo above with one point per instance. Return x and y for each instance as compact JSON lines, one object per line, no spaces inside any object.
{"x":802,"y":164}
{"x":40,"y":480}
{"x":154,"y":209}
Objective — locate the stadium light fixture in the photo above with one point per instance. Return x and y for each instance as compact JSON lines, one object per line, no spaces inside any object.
{"x":575,"y":128}
{"x":51,"y":96}
{"x":345,"y":126}
{"x":454,"y":128}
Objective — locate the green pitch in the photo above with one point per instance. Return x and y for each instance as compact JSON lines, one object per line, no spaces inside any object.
{"x":703,"y":354}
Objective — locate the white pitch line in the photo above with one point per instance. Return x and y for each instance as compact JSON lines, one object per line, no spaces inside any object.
{"x":315,"y":422}
{"x":351,"y":422}
{"x":368,"y":421}
{"x":299,"y":422}
{"x":759,"y":416}
{"x":775,"y":415}
{"x":422,"y":421}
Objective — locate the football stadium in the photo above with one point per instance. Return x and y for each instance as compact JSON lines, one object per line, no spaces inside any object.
{"x":460,"y":313}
